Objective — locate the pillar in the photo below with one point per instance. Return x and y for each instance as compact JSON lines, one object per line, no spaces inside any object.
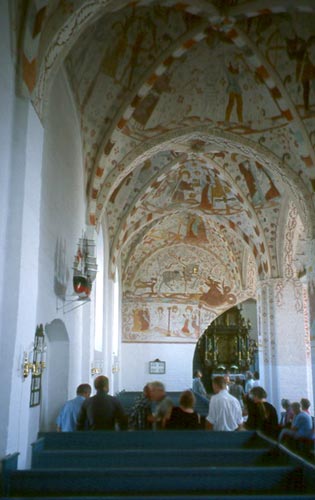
{"x":284,"y":340}
{"x":309,"y":281}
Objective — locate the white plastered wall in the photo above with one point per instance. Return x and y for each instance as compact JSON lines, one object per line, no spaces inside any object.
{"x":63,"y":212}
{"x":42,"y":200}
{"x":21,"y":161}
{"x":135,"y":360}
{"x":285,"y":356}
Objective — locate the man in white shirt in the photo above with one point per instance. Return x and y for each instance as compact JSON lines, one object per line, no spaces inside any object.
{"x":225,"y":412}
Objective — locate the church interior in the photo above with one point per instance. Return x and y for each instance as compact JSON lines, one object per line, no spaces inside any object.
{"x":157,"y":174}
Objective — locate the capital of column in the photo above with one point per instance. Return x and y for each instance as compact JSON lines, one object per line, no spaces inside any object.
{"x":272,"y":283}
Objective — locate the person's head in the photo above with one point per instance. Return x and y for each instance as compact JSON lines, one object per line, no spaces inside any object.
{"x":197,"y":374}
{"x":238,"y":380}
{"x":84,"y":390}
{"x":256,"y":375}
{"x":218,"y":383}
{"x":147,"y":391}
{"x":101,"y":383}
{"x":157,"y":391}
{"x":305,"y":404}
{"x":296,"y":407}
{"x":285,"y":403}
{"x":227,"y":378}
{"x":187,"y":400}
{"x":257,"y":394}
{"x":249,"y":375}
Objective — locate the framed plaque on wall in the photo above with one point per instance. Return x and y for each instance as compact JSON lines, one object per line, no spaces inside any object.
{"x":157,"y":367}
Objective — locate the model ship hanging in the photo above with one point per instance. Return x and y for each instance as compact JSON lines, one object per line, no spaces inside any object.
{"x":84,"y":268}
{"x":84,"y":273}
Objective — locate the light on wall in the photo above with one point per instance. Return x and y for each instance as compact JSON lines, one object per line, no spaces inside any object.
{"x":96,"y":367}
{"x":115,"y":364}
{"x":35,"y":361}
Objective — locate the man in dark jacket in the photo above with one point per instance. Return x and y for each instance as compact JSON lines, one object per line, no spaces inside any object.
{"x":101,"y":412}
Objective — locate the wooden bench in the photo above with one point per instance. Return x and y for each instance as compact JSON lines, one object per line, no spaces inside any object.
{"x":156,"y":480}
{"x":170,"y":465}
{"x":128,"y":398}
{"x":193,"y":496}
{"x":149,"y":440}
{"x":53,"y":459}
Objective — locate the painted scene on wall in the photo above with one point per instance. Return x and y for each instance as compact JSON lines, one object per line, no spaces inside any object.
{"x":178,"y":289}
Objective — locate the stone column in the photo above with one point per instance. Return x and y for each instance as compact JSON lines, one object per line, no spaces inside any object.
{"x":309,"y":285}
{"x":284,"y":340}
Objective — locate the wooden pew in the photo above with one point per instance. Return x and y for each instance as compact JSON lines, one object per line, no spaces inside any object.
{"x":170,"y":465}
{"x":156,"y":480}
{"x":149,"y":440}
{"x":244,"y":496}
{"x":54,"y":459}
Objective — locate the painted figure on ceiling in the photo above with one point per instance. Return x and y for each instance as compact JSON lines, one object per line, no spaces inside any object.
{"x":116,"y":51}
{"x":205,"y":203}
{"x":259,"y":183}
{"x":196,"y":230}
{"x":146,"y":107}
{"x":217,"y":294}
{"x":182,"y":186}
{"x":299,"y":50}
{"x":234,"y":92}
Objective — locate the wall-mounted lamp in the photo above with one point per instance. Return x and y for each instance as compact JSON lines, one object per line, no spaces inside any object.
{"x":35,"y":362}
{"x":115,"y":364}
{"x":96,"y":367}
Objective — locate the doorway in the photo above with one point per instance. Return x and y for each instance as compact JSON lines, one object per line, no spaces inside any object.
{"x":56,"y":376}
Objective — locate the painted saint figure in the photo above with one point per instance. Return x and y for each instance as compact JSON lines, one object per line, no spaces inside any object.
{"x":235,"y":93}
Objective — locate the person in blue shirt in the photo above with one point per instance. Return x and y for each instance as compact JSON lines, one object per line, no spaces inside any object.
{"x":302,"y":426}
{"x":197,"y":385}
{"x":67,"y":418}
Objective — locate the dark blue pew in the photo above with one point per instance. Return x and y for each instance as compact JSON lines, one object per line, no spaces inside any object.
{"x":191,"y":465}
{"x":127,"y":399}
{"x":159,"y":480}
{"x":54,"y":459}
{"x":243,"y":496}
{"x":149,"y":440}
{"x":8,"y":464}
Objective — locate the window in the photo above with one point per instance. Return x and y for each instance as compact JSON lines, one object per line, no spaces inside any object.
{"x":99,"y":293}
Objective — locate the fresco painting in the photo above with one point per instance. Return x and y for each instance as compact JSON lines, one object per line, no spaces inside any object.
{"x":174,"y":108}
{"x":170,"y":296}
{"x":159,"y":322}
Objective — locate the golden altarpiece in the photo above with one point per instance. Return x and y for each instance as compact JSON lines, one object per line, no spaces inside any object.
{"x":226,"y":345}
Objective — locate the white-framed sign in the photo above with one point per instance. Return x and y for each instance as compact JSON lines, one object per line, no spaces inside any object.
{"x":157,"y":367}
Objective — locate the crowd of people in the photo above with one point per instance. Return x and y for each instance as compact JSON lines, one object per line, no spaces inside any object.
{"x":233,"y":406}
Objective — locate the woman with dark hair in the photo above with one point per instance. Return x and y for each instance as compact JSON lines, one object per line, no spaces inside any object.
{"x":262,"y":415}
{"x":184,"y":417}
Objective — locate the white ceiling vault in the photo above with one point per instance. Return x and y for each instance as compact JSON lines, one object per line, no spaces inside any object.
{"x":198,"y":126}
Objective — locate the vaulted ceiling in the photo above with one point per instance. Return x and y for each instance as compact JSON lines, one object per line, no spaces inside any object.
{"x":197,"y":121}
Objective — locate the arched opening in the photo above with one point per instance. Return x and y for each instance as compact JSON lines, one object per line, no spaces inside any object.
{"x":55,"y":380}
{"x":229,"y":344}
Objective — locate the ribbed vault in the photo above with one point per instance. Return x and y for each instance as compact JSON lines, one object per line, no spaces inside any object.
{"x":197,"y":122}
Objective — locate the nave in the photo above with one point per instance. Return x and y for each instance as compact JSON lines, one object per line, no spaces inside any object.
{"x":157,"y":172}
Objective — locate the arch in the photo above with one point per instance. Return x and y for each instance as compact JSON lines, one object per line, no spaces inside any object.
{"x":248,"y":312}
{"x":256,"y":241}
{"x":217,"y":140}
{"x":55,"y":381}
